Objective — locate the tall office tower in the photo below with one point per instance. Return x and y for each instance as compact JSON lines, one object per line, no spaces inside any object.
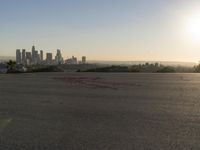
{"x":83,"y":59}
{"x":41,"y":55}
{"x":58,"y":57}
{"x":18,"y":56}
{"x":23,"y":56}
{"x":36,"y":57}
{"x":28,"y":58}
{"x":49,"y":58}
{"x":33,"y":54}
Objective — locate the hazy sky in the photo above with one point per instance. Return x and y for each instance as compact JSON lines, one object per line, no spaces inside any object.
{"x":103,"y":29}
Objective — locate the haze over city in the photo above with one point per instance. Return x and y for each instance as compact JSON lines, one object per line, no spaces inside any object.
{"x":126,"y":30}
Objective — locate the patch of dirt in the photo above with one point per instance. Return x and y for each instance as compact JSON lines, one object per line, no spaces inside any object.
{"x":91,"y":82}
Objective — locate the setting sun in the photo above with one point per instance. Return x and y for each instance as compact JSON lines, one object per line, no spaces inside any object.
{"x":194,"y":27}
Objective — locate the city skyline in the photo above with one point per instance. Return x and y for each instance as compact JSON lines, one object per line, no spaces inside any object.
{"x":36,"y":57}
{"x":119,"y":30}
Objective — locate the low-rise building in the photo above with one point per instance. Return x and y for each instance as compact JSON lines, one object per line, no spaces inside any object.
{"x":3,"y":68}
{"x":72,"y":60}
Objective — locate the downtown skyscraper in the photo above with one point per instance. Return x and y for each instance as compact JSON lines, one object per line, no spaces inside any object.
{"x":18,"y":56}
{"x":58,"y":57}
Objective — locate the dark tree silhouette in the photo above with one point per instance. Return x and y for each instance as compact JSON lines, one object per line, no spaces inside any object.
{"x":11,"y":65}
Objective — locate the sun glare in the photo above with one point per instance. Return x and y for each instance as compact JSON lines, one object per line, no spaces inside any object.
{"x":194,"y":27}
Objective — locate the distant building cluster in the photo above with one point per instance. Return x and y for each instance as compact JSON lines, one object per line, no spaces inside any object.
{"x":37,"y":57}
{"x":74,"y":60}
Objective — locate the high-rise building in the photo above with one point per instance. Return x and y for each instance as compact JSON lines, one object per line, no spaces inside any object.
{"x":28,"y":58}
{"x":37,"y":58}
{"x":83,"y":59}
{"x":23,"y":56}
{"x":33,"y":54}
{"x":49,"y":58}
{"x":58,"y":57}
{"x":18,"y":56}
{"x":41,"y":55}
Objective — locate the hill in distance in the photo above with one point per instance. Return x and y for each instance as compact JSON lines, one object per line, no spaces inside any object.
{"x":170,"y":63}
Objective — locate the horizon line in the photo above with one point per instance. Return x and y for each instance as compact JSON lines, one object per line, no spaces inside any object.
{"x":99,"y":60}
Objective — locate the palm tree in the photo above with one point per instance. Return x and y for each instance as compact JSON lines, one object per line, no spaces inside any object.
{"x":11,"y":65}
